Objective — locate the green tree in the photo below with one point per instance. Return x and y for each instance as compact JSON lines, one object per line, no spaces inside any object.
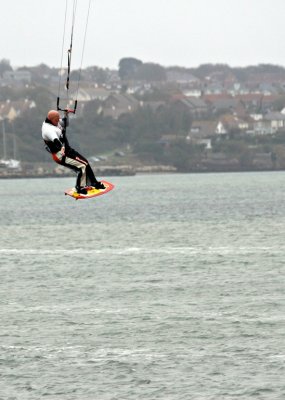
{"x":27,"y":129}
{"x":5,"y":66}
{"x":174,"y":119}
{"x":128,"y":68}
{"x":43,"y":99}
{"x":150,"y":72}
{"x":206,"y":69}
{"x":126,"y":128}
{"x":96,"y":74}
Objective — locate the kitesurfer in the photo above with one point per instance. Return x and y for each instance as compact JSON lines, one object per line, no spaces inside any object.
{"x":54,"y":136}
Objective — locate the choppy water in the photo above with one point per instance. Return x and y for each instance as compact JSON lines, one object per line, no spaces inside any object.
{"x":170,"y":287}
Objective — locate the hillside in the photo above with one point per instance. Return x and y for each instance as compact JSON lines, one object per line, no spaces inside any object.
{"x":213,"y":117}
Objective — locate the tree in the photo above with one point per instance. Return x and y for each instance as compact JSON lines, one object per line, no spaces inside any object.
{"x":174,"y":119}
{"x":279,"y":104}
{"x":128,"y":68}
{"x":42,"y":97}
{"x":5,"y":66}
{"x":126,"y":128}
{"x":207,"y":69}
{"x":96,"y":74}
{"x":150,"y":72}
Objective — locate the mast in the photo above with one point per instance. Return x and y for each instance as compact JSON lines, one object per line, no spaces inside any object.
{"x":14,"y":147}
{"x":4,"y":140}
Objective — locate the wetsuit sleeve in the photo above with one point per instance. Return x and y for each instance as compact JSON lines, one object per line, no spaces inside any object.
{"x":64,"y":122}
{"x":57,"y":144}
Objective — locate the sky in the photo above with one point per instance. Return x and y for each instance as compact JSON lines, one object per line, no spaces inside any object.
{"x":184,"y":33}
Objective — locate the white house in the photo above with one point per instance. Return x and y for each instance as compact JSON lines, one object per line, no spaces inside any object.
{"x":276,"y":119}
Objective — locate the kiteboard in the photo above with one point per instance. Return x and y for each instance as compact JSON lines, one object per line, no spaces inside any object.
{"x":91,"y":191}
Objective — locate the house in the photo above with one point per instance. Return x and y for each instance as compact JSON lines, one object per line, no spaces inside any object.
{"x":21,"y":76}
{"x":256,"y":102}
{"x":205,"y":142}
{"x":192,"y":92}
{"x":13,"y":109}
{"x":180,"y":76}
{"x":202,"y":132}
{"x":237,"y":88}
{"x":277,"y":121}
{"x":270,"y":124}
{"x":221,"y":129}
{"x":256,"y":116}
{"x":261,"y":127}
{"x":194,"y":105}
{"x":118,"y":104}
{"x":267,"y":89}
{"x":206,"y":129}
{"x":89,"y":94}
{"x":223,"y":102}
{"x":267,"y":77}
{"x":153,"y":105}
{"x":7,"y":111}
{"x":224,"y":77}
{"x":233,"y":122}
{"x":214,"y":88}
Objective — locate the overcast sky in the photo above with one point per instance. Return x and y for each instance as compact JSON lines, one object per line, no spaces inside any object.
{"x":168,"y":32}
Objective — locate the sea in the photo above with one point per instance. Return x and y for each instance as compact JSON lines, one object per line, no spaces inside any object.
{"x":169,"y":287}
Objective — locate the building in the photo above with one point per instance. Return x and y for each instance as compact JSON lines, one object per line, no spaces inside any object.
{"x":12,"y":109}
{"x":194,"y":105}
{"x":118,"y":104}
{"x":206,"y":129}
{"x":21,"y":76}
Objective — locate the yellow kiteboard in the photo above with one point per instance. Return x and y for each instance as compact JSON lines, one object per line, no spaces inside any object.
{"x":91,"y":191}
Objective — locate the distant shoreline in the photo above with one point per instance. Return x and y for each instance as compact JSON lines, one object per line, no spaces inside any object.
{"x":134,"y":173}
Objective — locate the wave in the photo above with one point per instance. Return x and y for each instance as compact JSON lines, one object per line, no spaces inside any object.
{"x":146,"y":250}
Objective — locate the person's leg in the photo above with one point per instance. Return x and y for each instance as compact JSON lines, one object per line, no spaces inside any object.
{"x":88,"y":174}
{"x":71,"y":161}
{"x":78,"y":165}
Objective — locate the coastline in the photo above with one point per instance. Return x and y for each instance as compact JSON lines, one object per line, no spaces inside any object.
{"x":126,"y":170}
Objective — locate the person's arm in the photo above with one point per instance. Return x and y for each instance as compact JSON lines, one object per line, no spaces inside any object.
{"x":58,"y":146}
{"x":64,"y":122}
{"x":51,"y":137}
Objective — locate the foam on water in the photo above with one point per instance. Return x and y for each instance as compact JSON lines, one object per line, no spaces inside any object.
{"x":137,"y":250}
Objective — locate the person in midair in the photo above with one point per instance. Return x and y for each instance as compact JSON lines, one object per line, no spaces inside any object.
{"x":54,"y":136}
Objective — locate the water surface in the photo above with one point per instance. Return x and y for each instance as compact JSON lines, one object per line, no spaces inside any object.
{"x":169,"y":287}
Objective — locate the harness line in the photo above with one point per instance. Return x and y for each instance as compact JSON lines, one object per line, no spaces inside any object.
{"x":83,"y":47}
{"x":69,"y":55}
